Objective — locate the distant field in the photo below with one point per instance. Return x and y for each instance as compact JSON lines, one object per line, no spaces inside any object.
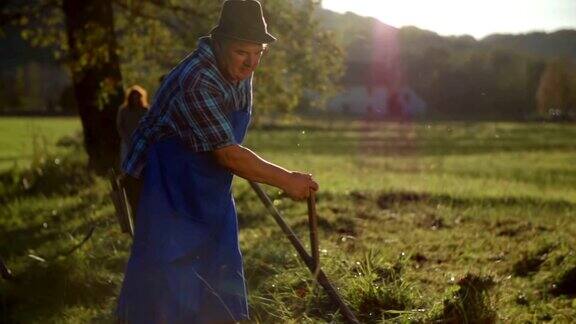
{"x":419,"y":222}
{"x":464,"y":159}
{"x":535,"y":161}
{"x":20,"y":136}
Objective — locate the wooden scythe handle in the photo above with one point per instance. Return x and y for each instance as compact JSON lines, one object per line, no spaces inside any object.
{"x":313,"y":224}
{"x":314,"y":267}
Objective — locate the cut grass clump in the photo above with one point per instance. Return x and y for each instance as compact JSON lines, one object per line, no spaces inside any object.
{"x":377,"y":290}
{"x":387,"y":200}
{"x":335,"y":225}
{"x":468,"y":302}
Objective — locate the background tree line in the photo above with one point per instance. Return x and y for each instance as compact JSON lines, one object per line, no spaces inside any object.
{"x":499,"y":77}
{"x":512,"y":77}
{"x":109,"y":44}
{"x":515,"y":77}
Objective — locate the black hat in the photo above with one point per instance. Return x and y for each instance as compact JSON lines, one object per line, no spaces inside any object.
{"x":243,"y":20}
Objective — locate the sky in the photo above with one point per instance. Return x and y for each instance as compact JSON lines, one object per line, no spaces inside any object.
{"x":478,"y":18}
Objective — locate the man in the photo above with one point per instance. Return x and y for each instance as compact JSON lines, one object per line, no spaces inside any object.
{"x":185,"y":265}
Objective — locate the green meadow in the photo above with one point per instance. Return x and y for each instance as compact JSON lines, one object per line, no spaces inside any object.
{"x":440,"y":222}
{"x":23,"y":138}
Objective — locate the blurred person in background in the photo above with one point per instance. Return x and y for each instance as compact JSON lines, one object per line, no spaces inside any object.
{"x":135,"y":106}
{"x":185,"y":265}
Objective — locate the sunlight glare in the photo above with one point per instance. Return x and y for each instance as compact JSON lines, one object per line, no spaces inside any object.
{"x":457,"y":17}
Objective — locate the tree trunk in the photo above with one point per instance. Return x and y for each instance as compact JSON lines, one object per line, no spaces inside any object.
{"x":96,"y":76}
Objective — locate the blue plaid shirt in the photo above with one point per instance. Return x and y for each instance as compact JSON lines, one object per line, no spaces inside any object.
{"x":193,"y":103}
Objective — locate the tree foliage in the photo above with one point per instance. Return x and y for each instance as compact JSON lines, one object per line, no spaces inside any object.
{"x":556,"y":96}
{"x":303,"y":58}
{"x":146,"y":38}
{"x":459,"y":77}
{"x":154,"y":35}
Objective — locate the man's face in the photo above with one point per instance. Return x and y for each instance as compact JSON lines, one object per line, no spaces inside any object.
{"x":238,"y":59}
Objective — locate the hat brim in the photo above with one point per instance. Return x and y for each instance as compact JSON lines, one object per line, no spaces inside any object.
{"x":261,"y":39}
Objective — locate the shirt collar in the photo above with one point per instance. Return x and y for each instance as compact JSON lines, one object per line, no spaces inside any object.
{"x":204,"y":49}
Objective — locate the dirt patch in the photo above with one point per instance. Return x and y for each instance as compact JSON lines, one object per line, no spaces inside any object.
{"x":566,"y":283}
{"x":521,"y":299}
{"x":341,"y":225}
{"x":527,"y":266}
{"x":364,"y":215}
{"x":337,"y":210}
{"x":505,"y":222}
{"x":515,"y":230}
{"x":433,"y":222}
{"x":345,"y":226}
{"x":419,"y":259}
{"x":371,"y":307}
{"x":387,"y":200}
{"x":530,"y":262}
{"x":359,"y":195}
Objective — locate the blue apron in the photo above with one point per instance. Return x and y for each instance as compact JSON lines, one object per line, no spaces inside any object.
{"x":185,"y":265}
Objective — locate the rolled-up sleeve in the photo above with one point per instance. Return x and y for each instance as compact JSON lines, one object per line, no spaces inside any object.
{"x":207,"y":123}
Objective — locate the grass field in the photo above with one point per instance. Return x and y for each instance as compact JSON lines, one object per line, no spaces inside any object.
{"x":23,"y":137}
{"x":439,"y":222}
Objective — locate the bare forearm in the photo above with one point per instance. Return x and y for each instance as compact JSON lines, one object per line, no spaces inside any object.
{"x":248,"y":165}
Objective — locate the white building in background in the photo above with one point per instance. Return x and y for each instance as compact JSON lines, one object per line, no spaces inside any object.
{"x":359,"y":99}
{"x":369,"y":100}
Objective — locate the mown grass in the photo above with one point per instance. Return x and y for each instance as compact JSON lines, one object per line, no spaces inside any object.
{"x":24,"y":138}
{"x":439,"y":222}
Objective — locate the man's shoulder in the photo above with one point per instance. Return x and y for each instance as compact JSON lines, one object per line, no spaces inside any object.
{"x":199,"y":74}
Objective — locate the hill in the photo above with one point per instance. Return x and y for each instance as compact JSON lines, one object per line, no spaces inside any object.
{"x":358,"y":34}
{"x":558,"y":43}
{"x":459,"y":77}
